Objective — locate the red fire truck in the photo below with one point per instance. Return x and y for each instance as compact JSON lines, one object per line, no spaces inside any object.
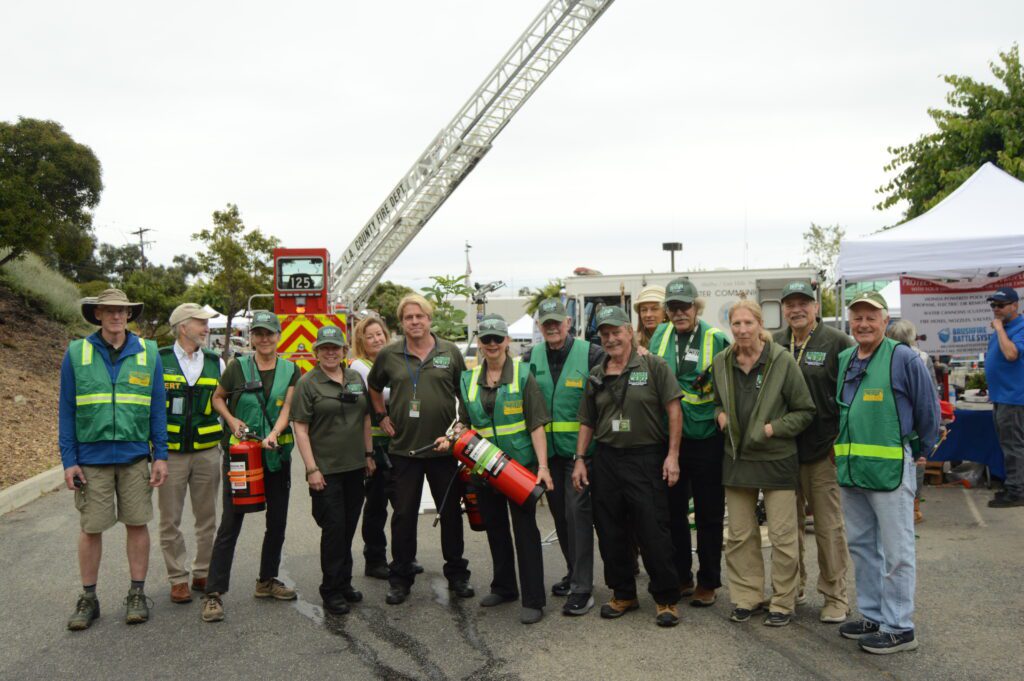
{"x":301,"y":301}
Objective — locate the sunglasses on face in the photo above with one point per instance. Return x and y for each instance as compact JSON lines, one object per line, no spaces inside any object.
{"x":679,"y":307}
{"x":998,"y":306}
{"x":491,"y":340}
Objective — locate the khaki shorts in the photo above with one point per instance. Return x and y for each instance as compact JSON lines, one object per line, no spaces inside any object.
{"x":121,"y":486}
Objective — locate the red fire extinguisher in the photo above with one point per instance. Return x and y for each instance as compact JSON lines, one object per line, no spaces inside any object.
{"x":470,"y":503}
{"x":484,"y":459}
{"x":245,"y":475}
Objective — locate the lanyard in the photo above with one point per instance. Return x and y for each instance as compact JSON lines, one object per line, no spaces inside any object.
{"x":621,"y":401}
{"x":415,"y":378}
{"x":803,"y":346}
{"x":681,"y":359}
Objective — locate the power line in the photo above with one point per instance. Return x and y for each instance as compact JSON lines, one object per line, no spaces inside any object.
{"x":142,"y":244}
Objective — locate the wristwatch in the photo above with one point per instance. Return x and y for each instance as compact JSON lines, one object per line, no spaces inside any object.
{"x":381,"y":415}
{"x":310,"y":471}
{"x":369,"y":455}
{"x":577,"y":457}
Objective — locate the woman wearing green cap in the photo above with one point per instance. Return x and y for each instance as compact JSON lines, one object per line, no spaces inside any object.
{"x":332,"y":431}
{"x":255,"y":395}
{"x":500,"y":399}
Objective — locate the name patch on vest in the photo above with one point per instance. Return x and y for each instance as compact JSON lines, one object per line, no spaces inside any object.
{"x":442,"y":362}
{"x":513,"y":407}
{"x":279,"y":402}
{"x":873,"y":395}
{"x":355,"y":388}
{"x":638,"y":378}
{"x":574,"y":383}
{"x":815,"y":358}
{"x":138,"y":378}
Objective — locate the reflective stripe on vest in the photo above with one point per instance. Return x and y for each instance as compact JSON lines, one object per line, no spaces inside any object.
{"x":112,"y":410}
{"x":562,"y":427}
{"x":474,"y":381}
{"x":505,"y":433}
{"x":707,"y":353}
{"x":563,"y":398}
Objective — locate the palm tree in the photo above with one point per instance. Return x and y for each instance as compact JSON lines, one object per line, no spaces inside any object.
{"x":553,"y":289}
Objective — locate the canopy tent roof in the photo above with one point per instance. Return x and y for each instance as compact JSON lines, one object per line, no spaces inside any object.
{"x":239,"y":321}
{"x":522,"y":328}
{"x":976,"y":230}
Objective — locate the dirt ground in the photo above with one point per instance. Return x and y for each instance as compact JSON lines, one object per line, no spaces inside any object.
{"x":31,"y":350}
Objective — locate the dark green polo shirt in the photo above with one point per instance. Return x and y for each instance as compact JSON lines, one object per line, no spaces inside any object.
{"x":535,"y":411}
{"x":819,"y":364}
{"x":436,"y":382}
{"x":335,"y":427}
{"x":649,"y":385}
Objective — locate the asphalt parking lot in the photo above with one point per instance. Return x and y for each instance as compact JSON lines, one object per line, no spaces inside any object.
{"x":970,"y":612}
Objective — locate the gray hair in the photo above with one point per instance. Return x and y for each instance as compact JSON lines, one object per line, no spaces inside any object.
{"x":903,"y":331}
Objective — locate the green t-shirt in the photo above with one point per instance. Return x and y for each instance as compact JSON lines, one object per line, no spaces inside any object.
{"x":336,"y":433}
{"x":649,"y":386}
{"x":233,"y":379}
{"x":434,"y":383}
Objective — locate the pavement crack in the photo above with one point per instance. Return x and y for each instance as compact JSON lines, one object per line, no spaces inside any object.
{"x":365,"y":652}
{"x":377,"y":622}
{"x":471,"y":635}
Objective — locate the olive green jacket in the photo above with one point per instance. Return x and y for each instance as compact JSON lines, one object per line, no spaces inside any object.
{"x":783,"y":400}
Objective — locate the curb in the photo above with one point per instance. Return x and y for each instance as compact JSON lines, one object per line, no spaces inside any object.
{"x":27,"y":491}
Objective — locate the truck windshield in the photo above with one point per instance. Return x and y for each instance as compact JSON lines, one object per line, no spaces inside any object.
{"x":300,"y":274}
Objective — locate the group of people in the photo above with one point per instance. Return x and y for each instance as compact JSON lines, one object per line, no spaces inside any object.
{"x":622,"y":435}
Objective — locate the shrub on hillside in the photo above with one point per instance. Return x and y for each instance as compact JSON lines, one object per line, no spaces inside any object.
{"x":56,"y":295}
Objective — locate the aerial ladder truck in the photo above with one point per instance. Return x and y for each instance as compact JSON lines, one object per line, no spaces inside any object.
{"x":309,"y":291}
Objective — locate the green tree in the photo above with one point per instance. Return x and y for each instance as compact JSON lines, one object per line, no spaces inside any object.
{"x":116,"y":263}
{"x":233,"y":263}
{"x":821,"y":251}
{"x":448,"y":322}
{"x":384,"y":301}
{"x":553,"y":289}
{"x":984,"y":124}
{"x":161,"y":289}
{"x":48,"y":184}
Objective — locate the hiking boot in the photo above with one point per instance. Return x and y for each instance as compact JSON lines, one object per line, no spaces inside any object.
{"x":396,"y":595}
{"x":136,"y":607}
{"x":87,"y":609}
{"x":686,"y":589}
{"x":461,"y":588}
{"x":777,"y":619}
{"x":336,"y":604}
{"x":1005,"y":501}
{"x":213,"y":608}
{"x":703,"y":598}
{"x":578,"y":604}
{"x":882,"y":643}
{"x":744,"y":614}
{"x":616,"y":607}
{"x":351,"y":595}
{"x":833,"y":613}
{"x":199,"y":584}
{"x":562,"y":587}
{"x":854,"y":630}
{"x":668,"y":615}
{"x":274,"y":588}
{"x":180,"y":594}
{"x":377,"y":571}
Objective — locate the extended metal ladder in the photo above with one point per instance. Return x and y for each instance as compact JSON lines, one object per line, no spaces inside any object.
{"x":459,"y":147}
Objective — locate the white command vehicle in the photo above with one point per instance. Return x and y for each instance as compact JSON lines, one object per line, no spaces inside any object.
{"x":719,"y":289}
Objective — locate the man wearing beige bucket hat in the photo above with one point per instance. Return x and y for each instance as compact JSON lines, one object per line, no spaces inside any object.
{"x":111,"y":421}
{"x":194,"y":431}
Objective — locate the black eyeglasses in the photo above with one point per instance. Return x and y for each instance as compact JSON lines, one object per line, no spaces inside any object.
{"x":490,"y":340}
{"x":998,"y":306}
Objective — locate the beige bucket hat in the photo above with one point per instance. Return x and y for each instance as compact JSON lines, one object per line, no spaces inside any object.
{"x":113,"y":297}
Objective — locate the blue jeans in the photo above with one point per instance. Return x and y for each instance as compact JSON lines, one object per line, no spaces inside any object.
{"x":880,"y":534}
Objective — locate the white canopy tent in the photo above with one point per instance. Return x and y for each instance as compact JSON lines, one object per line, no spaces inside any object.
{"x":521,"y":329}
{"x":239,"y":321}
{"x":975,"y":231}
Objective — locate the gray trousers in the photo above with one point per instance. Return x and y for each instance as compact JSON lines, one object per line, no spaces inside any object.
{"x":574,"y":524}
{"x":1009,"y":420}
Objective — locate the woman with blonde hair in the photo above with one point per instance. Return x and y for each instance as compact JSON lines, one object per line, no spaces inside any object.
{"x":762,"y":404}
{"x":650,"y":312}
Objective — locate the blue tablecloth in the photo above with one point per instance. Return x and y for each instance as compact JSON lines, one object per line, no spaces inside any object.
{"x":972,"y":437}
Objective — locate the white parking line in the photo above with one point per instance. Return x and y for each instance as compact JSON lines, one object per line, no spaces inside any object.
{"x":973,"y":508}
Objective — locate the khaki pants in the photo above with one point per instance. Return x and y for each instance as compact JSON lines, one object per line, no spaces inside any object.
{"x":199,"y":474}
{"x":819,"y":490}
{"x":743,"y":558}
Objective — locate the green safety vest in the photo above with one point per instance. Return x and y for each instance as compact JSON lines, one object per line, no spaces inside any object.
{"x":869,"y":449}
{"x":564,"y":398}
{"x":380,"y":438}
{"x":506,"y":428}
{"x":118,"y":411}
{"x":247,"y":407}
{"x":197,"y":427}
{"x":698,"y":405}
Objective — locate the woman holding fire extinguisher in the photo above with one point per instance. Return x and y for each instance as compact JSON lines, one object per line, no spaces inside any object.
{"x":254,"y":398}
{"x":332,"y":430}
{"x":501,"y":401}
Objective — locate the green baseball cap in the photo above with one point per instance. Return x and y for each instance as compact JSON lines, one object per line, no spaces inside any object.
{"x":680,"y":290}
{"x":551,"y":310}
{"x":802,"y":288}
{"x":330,"y":335}
{"x":265,"y":319}
{"x":492,"y":325}
{"x":612,"y":315}
{"x":872,"y":298}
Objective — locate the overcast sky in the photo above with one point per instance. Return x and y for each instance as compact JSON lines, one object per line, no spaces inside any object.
{"x":670,"y":121}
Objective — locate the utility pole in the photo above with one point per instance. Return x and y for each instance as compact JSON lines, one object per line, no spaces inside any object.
{"x":142,"y":244}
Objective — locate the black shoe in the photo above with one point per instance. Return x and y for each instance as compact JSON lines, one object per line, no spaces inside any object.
{"x":854,"y":630}
{"x":743,"y":614}
{"x":377,"y":571}
{"x":417,"y":569}
{"x":881,"y":643}
{"x":492,"y":599}
{"x":531,"y":615}
{"x":578,"y":604}
{"x":562,"y":587}
{"x":351,"y":595}
{"x":1005,"y":501}
{"x":335,"y":605}
{"x":777,"y":619}
{"x":462,"y":589}
{"x":396,"y":595}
